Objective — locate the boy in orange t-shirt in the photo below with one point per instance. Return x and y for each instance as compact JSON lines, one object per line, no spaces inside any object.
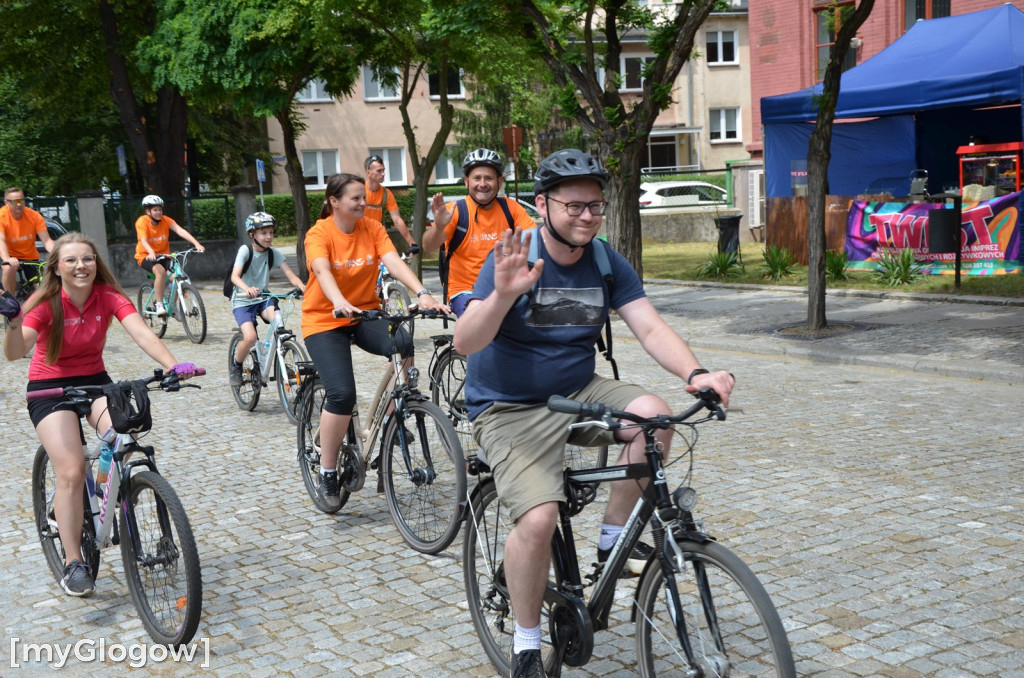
{"x":19,"y":226}
{"x":153,"y":230}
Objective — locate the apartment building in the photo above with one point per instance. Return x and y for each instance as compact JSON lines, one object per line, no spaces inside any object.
{"x":710,"y":121}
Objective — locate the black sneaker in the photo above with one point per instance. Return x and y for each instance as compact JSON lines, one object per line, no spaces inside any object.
{"x":77,"y":579}
{"x":235,"y":374}
{"x":528,"y":664}
{"x":635,"y":563}
{"x":329,"y":491}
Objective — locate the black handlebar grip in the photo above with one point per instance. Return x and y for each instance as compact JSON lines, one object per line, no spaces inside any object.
{"x":560,"y":404}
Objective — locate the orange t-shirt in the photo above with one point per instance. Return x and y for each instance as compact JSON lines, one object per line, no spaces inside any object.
{"x":354,"y":258}
{"x":485,"y":229}
{"x":157,"y":236}
{"x":20,"y":234}
{"x":374,"y":203}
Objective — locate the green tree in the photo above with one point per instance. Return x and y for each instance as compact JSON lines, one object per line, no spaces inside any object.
{"x":819,"y":154}
{"x":578,"y":38}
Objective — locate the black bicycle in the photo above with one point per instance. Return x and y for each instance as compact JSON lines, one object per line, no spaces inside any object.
{"x":30,"y":275}
{"x":698,"y":609}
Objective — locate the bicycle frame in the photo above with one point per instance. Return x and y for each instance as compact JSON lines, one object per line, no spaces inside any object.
{"x":118,"y":479}
{"x":173,"y":296}
{"x":276,"y":334}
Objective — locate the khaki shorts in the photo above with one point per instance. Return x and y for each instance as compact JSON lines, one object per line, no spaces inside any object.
{"x":524,"y":444}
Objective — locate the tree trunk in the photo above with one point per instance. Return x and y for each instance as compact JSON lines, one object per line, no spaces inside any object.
{"x":622,"y":220}
{"x":171,"y":136}
{"x":293,"y":168}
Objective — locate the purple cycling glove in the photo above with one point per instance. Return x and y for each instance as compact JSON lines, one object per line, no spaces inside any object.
{"x":184,"y":369}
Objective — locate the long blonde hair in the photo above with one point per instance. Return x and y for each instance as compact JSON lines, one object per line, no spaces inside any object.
{"x":49,"y":290}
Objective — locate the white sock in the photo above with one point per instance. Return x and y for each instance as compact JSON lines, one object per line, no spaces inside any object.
{"x":324,"y":472}
{"x":609,"y":535}
{"x":525,"y":639}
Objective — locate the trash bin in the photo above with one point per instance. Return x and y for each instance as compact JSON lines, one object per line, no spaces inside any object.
{"x":729,"y":233}
{"x":943,"y":231}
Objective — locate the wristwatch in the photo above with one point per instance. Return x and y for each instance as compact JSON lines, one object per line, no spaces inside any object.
{"x":421,"y":293}
{"x":699,"y":370}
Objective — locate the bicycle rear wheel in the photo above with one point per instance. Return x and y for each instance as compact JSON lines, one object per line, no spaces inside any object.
{"x":308,"y":443}
{"x":163,"y":568}
{"x":147,"y":309}
{"x":248,"y":394}
{"x":732,"y":625}
{"x":448,"y":391}
{"x":192,"y":313}
{"x":424,"y":497}
{"x":44,"y":488}
{"x":397,"y":301}
{"x":287,"y":376}
{"x":483,"y":570}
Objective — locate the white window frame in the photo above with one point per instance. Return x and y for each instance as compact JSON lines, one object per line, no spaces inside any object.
{"x":322,"y":172}
{"x":719,"y":41}
{"x":313,"y":92}
{"x":382,"y":93}
{"x":454,"y":169}
{"x":721,"y":115}
{"x":462,"y":87}
{"x":622,"y":71}
{"x":394,"y":165}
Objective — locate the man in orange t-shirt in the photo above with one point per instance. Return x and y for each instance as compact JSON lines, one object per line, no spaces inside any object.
{"x":489,"y":217}
{"x":379,"y":198}
{"x":153,"y":230}
{"x":19,"y":226}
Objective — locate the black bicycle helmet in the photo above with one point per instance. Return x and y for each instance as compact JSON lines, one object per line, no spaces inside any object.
{"x":259,"y":220}
{"x":483,"y":156}
{"x":569,"y":163}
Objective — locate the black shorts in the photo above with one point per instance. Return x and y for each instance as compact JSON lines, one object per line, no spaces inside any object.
{"x":148,"y":264}
{"x":39,"y":409}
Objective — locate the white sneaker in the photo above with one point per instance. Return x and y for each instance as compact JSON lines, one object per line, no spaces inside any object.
{"x":160,"y":310}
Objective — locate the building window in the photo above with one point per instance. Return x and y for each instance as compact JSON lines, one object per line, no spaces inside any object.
{"x":317,"y":166}
{"x":828,"y":20}
{"x":724,"y":124}
{"x":722,"y":47}
{"x":631,"y":72}
{"x":914,"y":10}
{"x":394,"y":164}
{"x":446,"y":171}
{"x":314,"y":91}
{"x":455,"y":88}
{"x":377,"y":91}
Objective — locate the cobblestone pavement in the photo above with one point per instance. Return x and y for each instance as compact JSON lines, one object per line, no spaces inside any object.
{"x":871,"y":479}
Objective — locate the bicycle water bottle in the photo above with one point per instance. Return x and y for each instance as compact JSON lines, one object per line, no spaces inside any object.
{"x":106,"y":456}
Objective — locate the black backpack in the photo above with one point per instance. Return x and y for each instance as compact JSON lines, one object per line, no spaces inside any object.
{"x":444,"y":257}
{"x":229,"y":287}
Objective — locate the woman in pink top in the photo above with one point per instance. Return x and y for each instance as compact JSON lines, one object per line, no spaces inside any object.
{"x":67,"y":320}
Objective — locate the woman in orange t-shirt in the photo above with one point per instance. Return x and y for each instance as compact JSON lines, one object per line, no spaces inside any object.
{"x":343,"y":253}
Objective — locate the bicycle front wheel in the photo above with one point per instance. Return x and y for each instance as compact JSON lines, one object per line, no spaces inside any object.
{"x":308,"y":443}
{"x":397,"y":302}
{"x":44,"y":489}
{"x":292,"y":353}
{"x":160,"y":559}
{"x":193,"y":313}
{"x":448,"y":391}
{"x":733,"y":628}
{"x":248,"y":394}
{"x":147,"y":309}
{"x":425,"y":493}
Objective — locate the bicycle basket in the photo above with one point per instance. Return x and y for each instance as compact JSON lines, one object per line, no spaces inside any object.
{"x":128,"y":406}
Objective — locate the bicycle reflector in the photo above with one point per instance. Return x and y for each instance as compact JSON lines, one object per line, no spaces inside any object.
{"x":685,"y":498}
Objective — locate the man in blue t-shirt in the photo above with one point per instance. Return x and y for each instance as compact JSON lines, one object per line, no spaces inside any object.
{"x":519,"y":354}
{"x":246,"y":302}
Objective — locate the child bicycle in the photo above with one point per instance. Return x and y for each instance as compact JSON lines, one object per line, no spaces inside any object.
{"x":181,"y":299}
{"x":419,"y":460}
{"x":394,"y":298}
{"x":698,"y":609}
{"x":161,"y":562}
{"x":276,"y":358}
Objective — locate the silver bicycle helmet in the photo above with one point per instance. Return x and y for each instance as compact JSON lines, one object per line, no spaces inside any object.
{"x":152,"y":201}
{"x":569,"y":163}
{"x":483,"y":156}
{"x":259,"y":220}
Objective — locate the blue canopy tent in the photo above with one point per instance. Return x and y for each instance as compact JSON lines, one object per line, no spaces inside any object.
{"x":926,"y":94}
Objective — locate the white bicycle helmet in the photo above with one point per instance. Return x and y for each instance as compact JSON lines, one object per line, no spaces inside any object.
{"x":259,"y":220}
{"x":483,"y":156}
{"x":152,"y":201}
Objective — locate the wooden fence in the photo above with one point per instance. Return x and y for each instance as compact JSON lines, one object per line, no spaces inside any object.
{"x":787,"y":224}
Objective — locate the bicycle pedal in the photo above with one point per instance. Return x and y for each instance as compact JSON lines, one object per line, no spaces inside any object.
{"x":375,"y":463}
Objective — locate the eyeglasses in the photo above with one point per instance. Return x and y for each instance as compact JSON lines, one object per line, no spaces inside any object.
{"x":16,"y":201}
{"x":87,"y":260}
{"x":575,"y":209}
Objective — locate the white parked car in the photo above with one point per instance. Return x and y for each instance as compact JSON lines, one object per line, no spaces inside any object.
{"x":680,"y":193}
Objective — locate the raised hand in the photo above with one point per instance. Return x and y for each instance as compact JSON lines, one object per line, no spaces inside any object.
{"x":512,"y":273}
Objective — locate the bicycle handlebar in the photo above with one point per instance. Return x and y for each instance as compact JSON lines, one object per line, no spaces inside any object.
{"x":381,"y":314}
{"x":603,"y":415}
{"x":168,"y":382}
{"x":293,"y":293}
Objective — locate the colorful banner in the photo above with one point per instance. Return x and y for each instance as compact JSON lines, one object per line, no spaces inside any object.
{"x":991,"y":235}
